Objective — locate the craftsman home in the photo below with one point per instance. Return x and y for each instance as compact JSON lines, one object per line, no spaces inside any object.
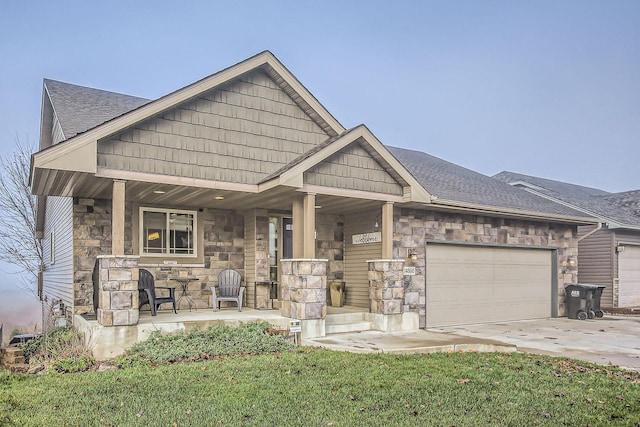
{"x":609,"y":251}
{"x":245,"y":169}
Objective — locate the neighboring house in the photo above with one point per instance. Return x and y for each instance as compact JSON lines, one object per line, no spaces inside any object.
{"x":609,"y":253}
{"x":245,"y":169}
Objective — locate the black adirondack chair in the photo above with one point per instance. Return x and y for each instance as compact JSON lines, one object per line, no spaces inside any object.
{"x":228,"y":289}
{"x":148,"y":295}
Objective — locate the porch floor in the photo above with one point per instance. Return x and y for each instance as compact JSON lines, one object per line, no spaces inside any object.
{"x":204,"y":317}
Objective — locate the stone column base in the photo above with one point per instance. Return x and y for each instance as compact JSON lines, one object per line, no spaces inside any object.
{"x":386,"y":286}
{"x":118,"y":290}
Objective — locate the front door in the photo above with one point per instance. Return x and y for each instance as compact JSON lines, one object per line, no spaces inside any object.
{"x":280,"y":244}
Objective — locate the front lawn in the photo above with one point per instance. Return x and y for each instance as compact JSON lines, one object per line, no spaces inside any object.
{"x":311,"y":387}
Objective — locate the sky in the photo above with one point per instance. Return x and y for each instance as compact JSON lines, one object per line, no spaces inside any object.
{"x":549,"y":88}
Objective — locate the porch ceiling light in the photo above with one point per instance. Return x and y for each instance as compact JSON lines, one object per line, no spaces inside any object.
{"x":219,"y":197}
{"x":159,"y":191}
{"x":318,"y":207}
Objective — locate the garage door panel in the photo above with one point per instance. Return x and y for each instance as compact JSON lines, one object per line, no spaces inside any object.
{"x":475,"y":284}
{"x":629,"y":277}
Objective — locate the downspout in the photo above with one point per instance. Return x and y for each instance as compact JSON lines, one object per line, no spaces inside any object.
{"x":595,"y":230}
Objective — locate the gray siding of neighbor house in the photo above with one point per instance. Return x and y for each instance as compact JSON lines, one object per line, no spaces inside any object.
{"x":239,"y":133}
{"x":595,"y":261}
{"x":353,"y":168}
{"x":58,"y":271}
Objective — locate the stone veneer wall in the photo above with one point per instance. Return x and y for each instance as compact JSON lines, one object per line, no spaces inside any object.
{"x":118,"y":289}
{"x":223,"y":248}
{"x":330,"y":244}
{"x":304,"y":293}
{"x":262,"y":245}
{"x":92,"y":237}
{"x":386,"y":286}
{"x":413,"y":227}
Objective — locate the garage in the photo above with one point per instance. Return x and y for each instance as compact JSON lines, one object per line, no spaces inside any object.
{"x":476,"y":284}
{"x":629,"y":276}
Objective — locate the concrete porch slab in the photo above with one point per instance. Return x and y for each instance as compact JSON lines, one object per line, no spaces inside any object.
{"x":407,"y":342}
{"x":109,"y":342}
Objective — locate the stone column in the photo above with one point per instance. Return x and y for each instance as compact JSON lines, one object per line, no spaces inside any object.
{"x":386,"y":286}
{"x":118,"y":290}
{"x":304,"y":293}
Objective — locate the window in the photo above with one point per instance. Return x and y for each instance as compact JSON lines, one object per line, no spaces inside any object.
{"x":166,"y":232}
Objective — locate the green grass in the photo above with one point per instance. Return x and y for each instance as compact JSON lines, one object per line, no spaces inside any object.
{"x":310,"y":387}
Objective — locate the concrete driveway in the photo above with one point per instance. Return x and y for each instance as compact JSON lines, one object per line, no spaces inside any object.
{"x":610,"y":340}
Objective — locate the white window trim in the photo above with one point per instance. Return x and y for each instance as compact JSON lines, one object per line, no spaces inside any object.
{"x":166,"y":254}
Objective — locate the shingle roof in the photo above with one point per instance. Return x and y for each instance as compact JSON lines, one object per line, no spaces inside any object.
{"x":623,"y":208}
{"x":448,"y":181}
{"x":80,"y":108}
{"x":550,"y":186}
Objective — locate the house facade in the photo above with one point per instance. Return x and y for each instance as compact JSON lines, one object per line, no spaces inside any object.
{"x":245,"y":169}
{"x":609,"y":251}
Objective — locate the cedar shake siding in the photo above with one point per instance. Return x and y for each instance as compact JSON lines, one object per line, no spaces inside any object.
{"x":353,"y":168}
{"x":240,"y":133}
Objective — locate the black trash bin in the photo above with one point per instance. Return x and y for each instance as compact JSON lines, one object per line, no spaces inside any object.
{"x":595,"y":302}
{"x":583,"y":301}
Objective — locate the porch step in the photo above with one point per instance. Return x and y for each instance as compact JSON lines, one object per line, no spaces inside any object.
{"x":346,"y":322}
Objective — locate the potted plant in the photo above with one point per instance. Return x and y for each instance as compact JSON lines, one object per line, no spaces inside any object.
{"x":337,"y":288}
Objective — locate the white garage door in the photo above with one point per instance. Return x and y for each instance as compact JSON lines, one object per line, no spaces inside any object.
{"x":629,"y":276}
{"x":476,"y":284}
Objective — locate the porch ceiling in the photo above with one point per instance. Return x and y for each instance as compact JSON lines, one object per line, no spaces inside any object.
{"x":84,"y":185}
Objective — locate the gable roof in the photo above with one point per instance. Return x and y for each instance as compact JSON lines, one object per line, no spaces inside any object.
{"x":80,"y":149}
{"x":294,"y":171}
{"x":451,"y":184}
{"x":80,"y":108}
{"x":618,"y":209}
{"x":425,"y":179}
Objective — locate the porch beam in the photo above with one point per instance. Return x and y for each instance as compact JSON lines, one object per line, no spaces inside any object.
{"x":297,"y":211}
{"x":387,"y":230}
{"x":117,"y":217}
{"x":309,"y":229}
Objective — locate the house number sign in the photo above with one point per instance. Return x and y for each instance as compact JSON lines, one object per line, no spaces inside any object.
{"x":362,"y":239}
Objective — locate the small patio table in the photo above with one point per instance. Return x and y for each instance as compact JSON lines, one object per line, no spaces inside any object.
{"x":184,"y":284}
{"x":273,"y":293}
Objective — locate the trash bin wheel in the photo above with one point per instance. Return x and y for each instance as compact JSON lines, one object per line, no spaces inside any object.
{"x":582,"y":315}
{"x":599,"y":313}
{"x":591,"y":314}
